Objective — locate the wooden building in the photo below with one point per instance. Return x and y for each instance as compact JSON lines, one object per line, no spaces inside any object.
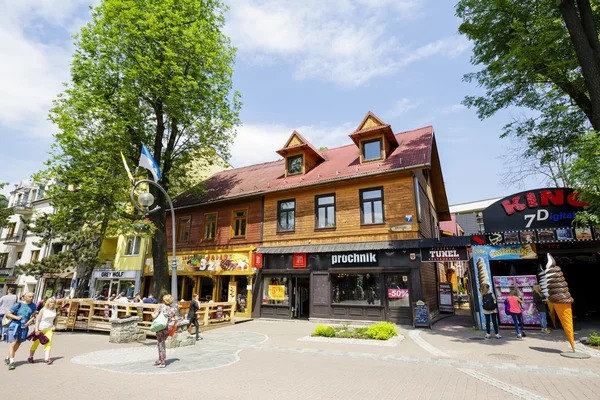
{"x":336,"y":232}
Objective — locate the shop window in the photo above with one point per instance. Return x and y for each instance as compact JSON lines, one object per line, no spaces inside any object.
{"x":127,"y":287}
{"x":183,"y":229}
{"x":355,"y":289}
{"x":294,"y":165}
{"x":371,"y":149}
{"x":133,"y":246}
{"x":240,"y":219}
{"x":286,"y":215}
{"x":35,"y":256}
{"x":3,"y":260}
{"x":325,"y":211}
{"x":397,"y":290}
{"x":371,"y":206}
{"x":275,"y":291}
{"x":210,"y":226}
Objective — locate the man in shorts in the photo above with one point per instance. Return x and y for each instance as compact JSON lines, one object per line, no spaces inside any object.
{"x":6,"y":302}
{"x":22,"y":315}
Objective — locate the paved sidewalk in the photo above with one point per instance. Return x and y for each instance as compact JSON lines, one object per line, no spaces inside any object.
{"x":266,"y":360}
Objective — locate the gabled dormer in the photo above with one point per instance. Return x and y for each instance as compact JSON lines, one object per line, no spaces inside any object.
{"x":374,"y":138}
{"x":300,"y":156}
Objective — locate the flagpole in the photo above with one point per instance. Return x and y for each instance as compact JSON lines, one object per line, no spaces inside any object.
{"x":145,"y":211}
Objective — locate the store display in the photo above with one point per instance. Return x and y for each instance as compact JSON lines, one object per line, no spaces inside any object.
{"x":524,"y":285}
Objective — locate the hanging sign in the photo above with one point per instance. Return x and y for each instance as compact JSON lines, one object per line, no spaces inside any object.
{"x":299,"y":260}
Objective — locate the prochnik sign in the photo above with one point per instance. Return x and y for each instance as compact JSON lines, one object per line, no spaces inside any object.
{"x":444,"y":254}
{"x":534,"y":209}
{"x":354,"y":259}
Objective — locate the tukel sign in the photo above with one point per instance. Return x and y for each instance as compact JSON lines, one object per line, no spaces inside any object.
{"x":535,"y":209}
{"x":444,"y":254}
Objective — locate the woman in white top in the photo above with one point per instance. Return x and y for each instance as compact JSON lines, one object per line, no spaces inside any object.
{"x":44,"y":323}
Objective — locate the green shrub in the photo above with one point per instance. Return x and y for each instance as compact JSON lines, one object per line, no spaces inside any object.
{"x":324,"y":330}
{"x":594,"y":339}
{"x":382,"y":331}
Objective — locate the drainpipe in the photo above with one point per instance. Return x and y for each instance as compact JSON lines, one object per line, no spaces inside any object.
{"x":141,"y":278}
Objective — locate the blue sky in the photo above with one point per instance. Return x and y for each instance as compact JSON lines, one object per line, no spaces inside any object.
{"x":309,"y":65}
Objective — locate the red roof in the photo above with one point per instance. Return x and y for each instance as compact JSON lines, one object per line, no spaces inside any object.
{"x":414,"y":150}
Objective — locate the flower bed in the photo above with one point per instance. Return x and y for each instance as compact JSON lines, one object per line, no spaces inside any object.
{"x":378,"y":331}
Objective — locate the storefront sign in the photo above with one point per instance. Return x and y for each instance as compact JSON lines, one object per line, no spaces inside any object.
{"x":397,"y":293}
{"x":444,"y":254}
{"x":401,"y":228}
{"x":213,"y":262}
{"x":276,"y":292}
{"x":421,"y":314}
{"x":258,"y":260}
{"x":536,"y":209}
{"x":446,"y":297}
{"x":359,"y":259}
{"x":115,"y":274}
{"x":299,"y":260}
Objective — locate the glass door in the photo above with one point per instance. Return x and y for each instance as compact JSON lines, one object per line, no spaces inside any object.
{"x":397,"y":293}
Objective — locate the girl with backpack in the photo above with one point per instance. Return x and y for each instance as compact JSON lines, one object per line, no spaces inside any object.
{"x":540,"y":305}
{"x":514,"y":303}
{"x":490,"y":310}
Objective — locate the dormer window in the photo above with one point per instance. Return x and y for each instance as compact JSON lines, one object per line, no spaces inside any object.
{"x":294,"y":164}
{"x":371,"y":149}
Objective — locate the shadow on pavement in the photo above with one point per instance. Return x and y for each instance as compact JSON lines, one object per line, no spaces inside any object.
{"x":545,"y":350}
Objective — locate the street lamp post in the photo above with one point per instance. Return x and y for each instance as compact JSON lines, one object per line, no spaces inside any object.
{"x":146,"y":200}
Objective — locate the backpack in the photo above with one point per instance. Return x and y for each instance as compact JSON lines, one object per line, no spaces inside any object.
{"x":489,"y":304}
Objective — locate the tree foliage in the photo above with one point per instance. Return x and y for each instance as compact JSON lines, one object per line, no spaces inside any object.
{"x":5,"y":211}
{"x":157,"y":72}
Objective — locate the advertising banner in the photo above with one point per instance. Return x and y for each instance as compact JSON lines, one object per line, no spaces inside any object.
{"x":277,"y":292}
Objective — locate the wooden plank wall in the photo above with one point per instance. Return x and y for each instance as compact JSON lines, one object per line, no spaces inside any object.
{"x":429,"y":282}
{"x":399,"y":201}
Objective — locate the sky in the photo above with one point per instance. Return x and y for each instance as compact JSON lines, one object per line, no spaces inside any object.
{"x":308,"y":65}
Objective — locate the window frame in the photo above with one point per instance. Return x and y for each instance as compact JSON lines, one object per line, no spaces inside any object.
{"x":37,"y":256}
{"x":363,"y":149}
{"x":363,"y":201}
{"x":11,"y":229}
{"x":234,"y":219}
{"x":139,"y":239}
{"x":288,"y":162}
{"x":4,"y":260}
{"x":204,"y":225}
{"x":317,"y":207}
{"x":189,"y":228}
{"x":279,"y":212}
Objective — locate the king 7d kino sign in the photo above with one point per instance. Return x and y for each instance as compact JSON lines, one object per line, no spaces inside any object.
{"x":535,"y":209}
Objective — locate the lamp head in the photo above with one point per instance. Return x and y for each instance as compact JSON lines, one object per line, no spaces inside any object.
{"x":146,"y":199}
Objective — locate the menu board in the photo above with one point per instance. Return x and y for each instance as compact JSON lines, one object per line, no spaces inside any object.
{"x":421,"y":314}
{"x":524,"y":284}
{"x":446,"y":297}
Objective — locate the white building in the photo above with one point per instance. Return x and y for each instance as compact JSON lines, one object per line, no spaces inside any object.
{"x":17,"y":246}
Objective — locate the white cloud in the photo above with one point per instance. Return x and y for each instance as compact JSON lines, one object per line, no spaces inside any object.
{"x":402,"y":106}
{"x":257,"y":143}
{"x":455,"y":108}
{"x":348,"y":42}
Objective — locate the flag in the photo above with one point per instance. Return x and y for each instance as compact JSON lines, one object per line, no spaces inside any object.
{"x":147,"y":161}
{"x":127,"y":168}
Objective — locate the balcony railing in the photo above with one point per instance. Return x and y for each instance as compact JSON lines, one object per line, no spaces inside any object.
{"x":15,"y":239}
{"x":7,"y":272}
{"x":22,"y":208}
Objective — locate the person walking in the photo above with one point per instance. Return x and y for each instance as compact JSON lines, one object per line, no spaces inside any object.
{"x":490,"y":310}
{"x":514,"y":309}
{"x":194,"y":307}
{"x":161,"y":336}
{"x":22,"y":315}
{"x":6,"y":302}
{"x":540,"y":305}
{"x":44,"y":323}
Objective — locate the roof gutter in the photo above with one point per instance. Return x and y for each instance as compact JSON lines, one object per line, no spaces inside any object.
{"x":307,"y":185}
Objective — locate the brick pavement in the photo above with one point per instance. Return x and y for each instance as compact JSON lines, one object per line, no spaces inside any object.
{"x":265,"y":360}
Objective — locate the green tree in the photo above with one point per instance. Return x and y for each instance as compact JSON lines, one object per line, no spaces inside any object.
{"x":5,"y":211}
{"x":144,"y":71}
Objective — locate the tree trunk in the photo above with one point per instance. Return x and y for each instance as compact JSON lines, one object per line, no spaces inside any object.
{"x":590,"y":65}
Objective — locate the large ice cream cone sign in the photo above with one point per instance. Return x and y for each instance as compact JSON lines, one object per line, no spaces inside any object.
{"x":559,"y":296}
{"x":482,"y":274}
{"x":543,"y":282}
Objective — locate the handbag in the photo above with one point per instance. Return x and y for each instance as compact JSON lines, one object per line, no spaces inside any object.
{"x":6,"y":321}
{"x":159,"y":323}
{"x":43,"y":338}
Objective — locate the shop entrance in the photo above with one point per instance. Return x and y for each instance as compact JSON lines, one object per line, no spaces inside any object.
{"x":300,"y":297}
{"x":398,"y":298}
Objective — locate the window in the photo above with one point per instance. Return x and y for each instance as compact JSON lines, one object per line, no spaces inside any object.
{"x":371,"y":149}
{"x":355,"y":289}
{"x":3,"y":260}
{"x":183,"y":229}
{"x":371,"y":206}
{"x":286,"y":215}
{"x":418,"y":198}
{"x":19,"y":255}
{"x":275,"y":291}
{"x":325,"y":211}
{"x":210,"y":226}
{"x":294,"y":164}
{"x":133,"y":246}
{"x":33,"y":195}
{"x":11,"y":229}
{"x":397,"y":290}
{"x":239,"y":223}
{"x":35,"y":255}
